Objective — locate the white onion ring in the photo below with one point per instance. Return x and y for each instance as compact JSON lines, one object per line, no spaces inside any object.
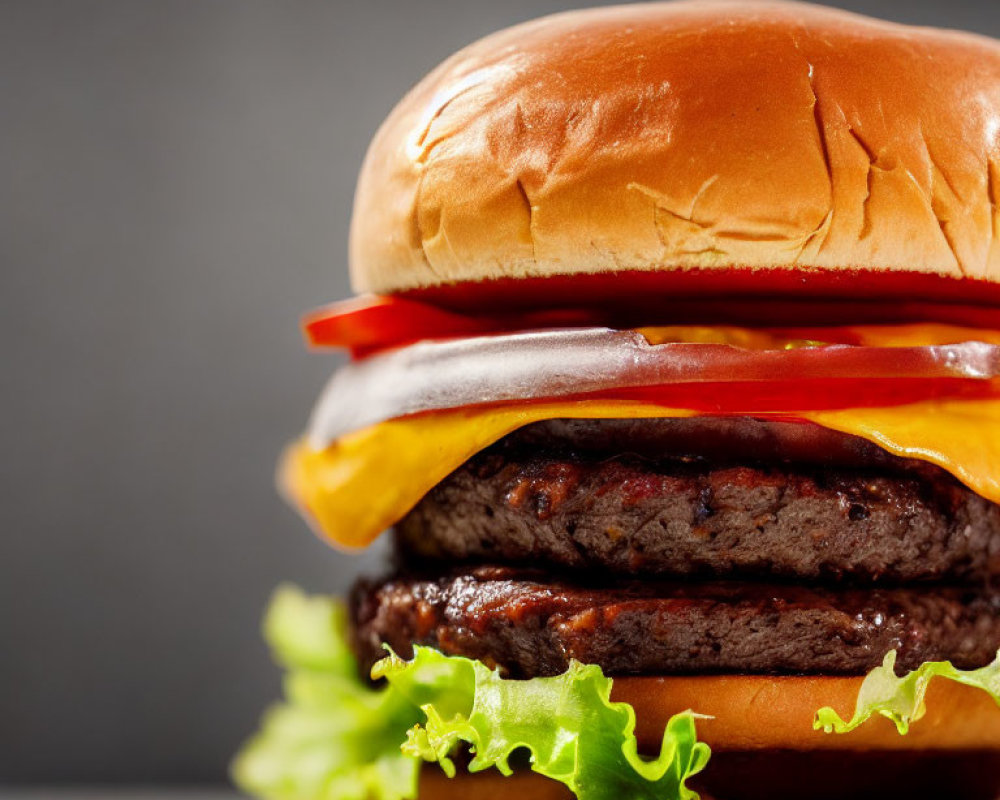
{"x":555,"y":363}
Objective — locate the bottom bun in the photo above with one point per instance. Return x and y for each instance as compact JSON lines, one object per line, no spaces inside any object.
{"x":764,"y":746}
{"x":761,"y":712}
{"x":776,"y":775}
{"x":489,"y":785}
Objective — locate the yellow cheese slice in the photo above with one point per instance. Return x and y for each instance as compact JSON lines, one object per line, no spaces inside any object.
{"x":366,"y":481}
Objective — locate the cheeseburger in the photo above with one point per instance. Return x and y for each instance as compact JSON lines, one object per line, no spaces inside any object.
{"x":676,"y":377}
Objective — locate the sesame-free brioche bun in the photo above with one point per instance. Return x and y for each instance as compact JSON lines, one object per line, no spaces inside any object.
{"x":698,"y":137}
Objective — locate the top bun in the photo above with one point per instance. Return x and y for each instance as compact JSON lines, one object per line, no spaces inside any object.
{"x":692,"y":136}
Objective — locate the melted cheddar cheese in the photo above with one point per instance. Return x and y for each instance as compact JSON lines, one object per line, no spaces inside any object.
{"x":368,"y":480}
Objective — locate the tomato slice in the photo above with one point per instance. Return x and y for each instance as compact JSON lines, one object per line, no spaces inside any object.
{"x":373,"y":322}
{"x":777,"y":397}
{"x":370,"y":323}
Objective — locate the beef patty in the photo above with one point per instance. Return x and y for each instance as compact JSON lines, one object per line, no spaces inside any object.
{"x":706,"y":497}
{"x":530,"y":625}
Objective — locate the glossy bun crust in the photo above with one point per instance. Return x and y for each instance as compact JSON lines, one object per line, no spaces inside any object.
{"x":689,"y":136}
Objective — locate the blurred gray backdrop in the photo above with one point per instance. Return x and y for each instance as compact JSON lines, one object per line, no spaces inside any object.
{"x":175,"y":186}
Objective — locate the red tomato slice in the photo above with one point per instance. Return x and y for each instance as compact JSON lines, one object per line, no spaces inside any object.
{"x":370,"y":323}
{"x":777,"y":396}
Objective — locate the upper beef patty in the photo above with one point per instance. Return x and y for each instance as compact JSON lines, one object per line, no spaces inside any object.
{"x":718,"y":497}
{"x":531,"y":625}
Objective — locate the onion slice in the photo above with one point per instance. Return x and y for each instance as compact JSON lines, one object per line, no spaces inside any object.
{"x":550,"y":364}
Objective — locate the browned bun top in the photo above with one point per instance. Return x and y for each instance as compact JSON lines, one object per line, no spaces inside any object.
{"x":694,"y":136}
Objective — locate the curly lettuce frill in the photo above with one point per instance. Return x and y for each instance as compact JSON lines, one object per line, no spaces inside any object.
{"x":901,"y":699}
{"x":337,"y":738}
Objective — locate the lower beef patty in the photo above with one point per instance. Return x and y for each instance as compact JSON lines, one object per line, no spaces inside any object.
{"x":760,"y":499}
{"x":531,"y":626}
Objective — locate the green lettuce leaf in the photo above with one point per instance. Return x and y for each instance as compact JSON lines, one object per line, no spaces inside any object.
{"x":902,"y":699}
{"x":337,"y":738}
{"x":568,"y":724}
{"x":334,"y":737}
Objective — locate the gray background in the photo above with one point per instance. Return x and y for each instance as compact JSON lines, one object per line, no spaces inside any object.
{"x":175,"y":185}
